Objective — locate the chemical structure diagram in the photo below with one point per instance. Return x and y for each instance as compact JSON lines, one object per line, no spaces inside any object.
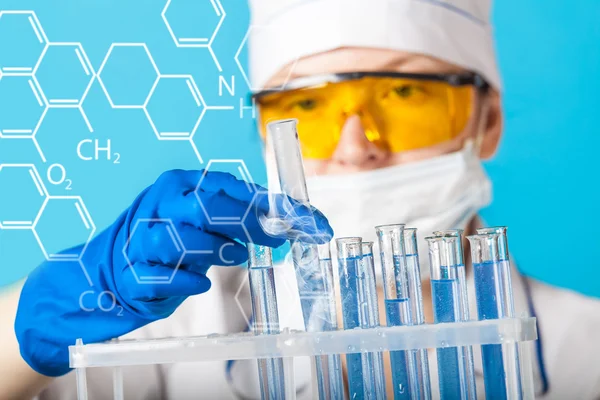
{"x":51,"y":75}
{"x":41,"y":211}
{"x":202,"y":39}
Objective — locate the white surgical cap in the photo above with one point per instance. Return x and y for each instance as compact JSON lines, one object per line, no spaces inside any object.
{"x":456,"y":31}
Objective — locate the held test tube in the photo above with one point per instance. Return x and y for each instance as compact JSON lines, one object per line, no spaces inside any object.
{"x":464,"y":313}
{"x":314,"y":282}
{"x":266,"y":319}
{"x":446,"y":308}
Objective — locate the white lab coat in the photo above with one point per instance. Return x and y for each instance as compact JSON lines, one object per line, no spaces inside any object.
{"x":566,"y":367}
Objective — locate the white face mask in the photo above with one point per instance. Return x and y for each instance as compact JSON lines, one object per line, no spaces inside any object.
{"x":441,"y":193}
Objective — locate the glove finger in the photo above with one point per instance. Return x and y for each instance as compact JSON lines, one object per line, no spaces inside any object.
{"x":222,"y":201}
{"x":244,"y":191}
{"x":301,"y":221}
{"x":147,"y":283}
{"x":155,"y":241}
{"x":212,"y":250}
{"x":183,"y":182}
{"x":226,"y":217}
{"x":162,"y":243}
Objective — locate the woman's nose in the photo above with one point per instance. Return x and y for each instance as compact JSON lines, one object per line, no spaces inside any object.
{"x":355,"y":149}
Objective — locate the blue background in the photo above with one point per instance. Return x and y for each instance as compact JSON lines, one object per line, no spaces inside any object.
{"x":544,"y":174}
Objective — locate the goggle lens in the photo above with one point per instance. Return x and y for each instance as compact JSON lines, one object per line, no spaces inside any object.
{"x":397,"y":114}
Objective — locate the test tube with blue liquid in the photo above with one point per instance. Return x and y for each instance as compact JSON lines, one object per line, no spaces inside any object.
{"x":488,"y":292}
{"x":419,"y":362}
{"x":314,"y":278}
{"x":464,"y":313}
{"x":265,"y":318}
{"x":507,"y":310}
{"x":446,"y":308}
{"x":397,"y":307}
{"x":352,"y":292}
{"x":507,"y":304}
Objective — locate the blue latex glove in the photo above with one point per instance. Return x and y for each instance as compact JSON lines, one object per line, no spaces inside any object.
{"x":57,"y":304}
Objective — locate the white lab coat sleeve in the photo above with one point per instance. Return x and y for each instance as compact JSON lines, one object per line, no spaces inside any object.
{"x":568,"y":325}
{"x":244,"y":373}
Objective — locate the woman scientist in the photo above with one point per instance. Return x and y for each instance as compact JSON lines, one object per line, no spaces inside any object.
{"x":397,"y":102}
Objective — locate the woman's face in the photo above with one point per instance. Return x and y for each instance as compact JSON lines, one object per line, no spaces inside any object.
{"x":354,"y":152}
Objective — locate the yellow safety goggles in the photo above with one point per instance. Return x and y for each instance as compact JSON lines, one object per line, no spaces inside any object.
{"x":398,"y":111}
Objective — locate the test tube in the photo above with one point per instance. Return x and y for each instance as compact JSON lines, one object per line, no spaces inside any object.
{"x":446,"y":308}
{"x":419,"y":363}
{"x":486,"y":271}
{"x":461,"y":283}
{"x":313,"y":280}
{"x":332,"y":363}
{"x":349,"y":255}
{"x":507,"y":304}
{"x":461,"y":275}
{"x":265,"y":318}
{"x":507,"y":310}
{"x":397,"y":308}
{"x":372,"y":363}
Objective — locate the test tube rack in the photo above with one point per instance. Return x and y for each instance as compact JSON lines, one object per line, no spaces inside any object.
{"x":290,"y":344}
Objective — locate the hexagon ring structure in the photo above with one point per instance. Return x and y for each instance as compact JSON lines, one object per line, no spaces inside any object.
{"x":22,"y":40}
{"x":238,"y":169}
{"x":184,"y":27}
{"x":23,"y":107}
{"x":168,"y":231}
{"x":135,"y":78}
{"x":175,"y":107}
{"x":62,"y":222}
{"x":23,"y":195}
{"x":65,"y":74}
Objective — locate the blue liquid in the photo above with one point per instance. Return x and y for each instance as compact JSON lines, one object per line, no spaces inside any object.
{"x":394,"y":310}
{"x":359,"y":386}
{"x":351,"y":318}
{"x":446,"y":309}
{"x":487,"y":293}
{"x":418,"y":363}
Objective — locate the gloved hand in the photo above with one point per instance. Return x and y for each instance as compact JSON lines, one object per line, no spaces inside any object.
{"x":56,"y":307}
